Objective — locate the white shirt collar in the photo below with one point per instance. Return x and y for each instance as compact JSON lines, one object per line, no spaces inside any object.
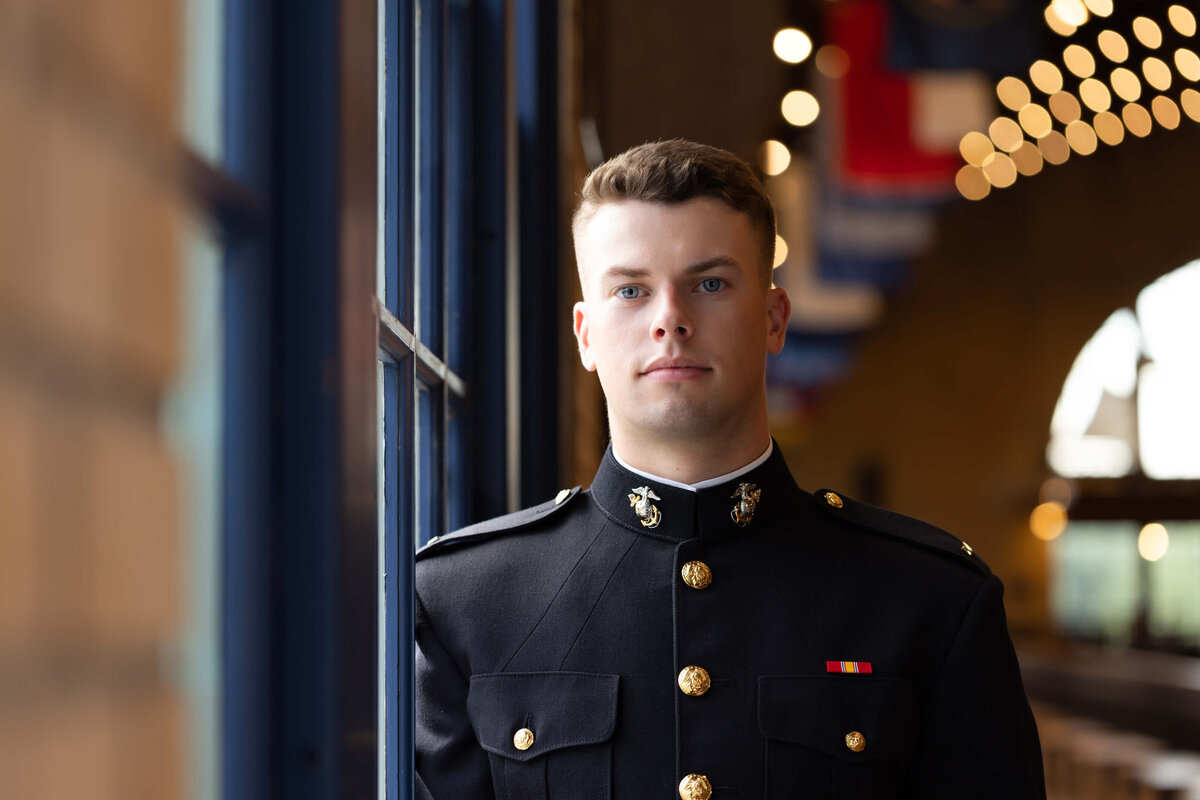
{"x":704,"y":484}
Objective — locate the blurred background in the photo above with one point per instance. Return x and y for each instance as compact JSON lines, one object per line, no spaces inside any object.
{"x":285,"y":291}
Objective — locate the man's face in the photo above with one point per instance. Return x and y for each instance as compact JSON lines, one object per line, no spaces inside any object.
{"x":676,"y":318}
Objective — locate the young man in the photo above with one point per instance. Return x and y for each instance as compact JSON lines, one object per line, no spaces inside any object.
{"x":695,"y":625}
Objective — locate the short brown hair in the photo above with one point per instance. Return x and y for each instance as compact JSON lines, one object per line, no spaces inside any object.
{"x":677,"y":170}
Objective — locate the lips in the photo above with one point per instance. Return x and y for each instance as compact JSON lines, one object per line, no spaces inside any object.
{"x":675,"y":369}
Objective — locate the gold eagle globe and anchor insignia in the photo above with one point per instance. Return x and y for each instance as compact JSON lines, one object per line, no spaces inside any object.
{"x":647,"y":513}
{"x":747,"y":496}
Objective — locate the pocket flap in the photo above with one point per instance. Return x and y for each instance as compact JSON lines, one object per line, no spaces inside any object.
{"x":819,"y":711}
{"x":562,"y":709}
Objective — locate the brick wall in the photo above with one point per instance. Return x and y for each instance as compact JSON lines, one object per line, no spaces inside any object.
{"x":90,"y":519}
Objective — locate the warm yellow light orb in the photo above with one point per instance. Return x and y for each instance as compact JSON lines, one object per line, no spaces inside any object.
{"x":1101,"y":8}
{"x":773,"y":157}
{"x":1188,"y":64}
{"x":1045,"y":76}
{"x":1137,"y":119}
{"x":1153,"y":541}
{"x":972,"y":183}
{"x":1126,"y":84}
{"x":792,"y":45}
{"x":781,"y":251}
{"x":1113,"y":46}
{"x":1182,"y":20}
{"x":1012,"y":92}
{"x":1056,"y":23}
{"x":800,"y":108}
{"x":1072,"y":12}
{"x":1166,"y":113}
{"x":1054,"y":148}
{"x":1048,"y":520}
{"x":1079,"y":60}
{"x":1147,"y":32}
{"x":975,"y":147}
{"x":1109,"y":128}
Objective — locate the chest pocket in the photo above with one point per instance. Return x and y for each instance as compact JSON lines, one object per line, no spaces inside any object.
{"x":548,"y":734}
{"x":836,"y":736}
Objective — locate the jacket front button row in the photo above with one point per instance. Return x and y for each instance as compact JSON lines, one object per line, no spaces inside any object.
{"x":695,"y":787}
{"x":696,"y":574}
{"x":694,"y":681}
{"x":523,"y":739}
{"x":856,"y":741}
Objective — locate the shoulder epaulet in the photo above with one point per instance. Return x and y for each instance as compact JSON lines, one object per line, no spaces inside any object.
{"x":899,"y":526}
{"x":490,"y":528}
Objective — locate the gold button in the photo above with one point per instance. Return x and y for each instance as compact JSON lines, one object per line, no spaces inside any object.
{"x":563,"y":494}
{"x":696,"y":574}
{"x":523,"y":739}
{"x":856,"y":741}
{"x":694,"y":681}
{"x":695,"y":787}
{"x":833,"y":500}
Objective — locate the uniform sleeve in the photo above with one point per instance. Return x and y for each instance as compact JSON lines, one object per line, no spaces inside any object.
{"x":449,"y":761}
{"x":978,"y":737}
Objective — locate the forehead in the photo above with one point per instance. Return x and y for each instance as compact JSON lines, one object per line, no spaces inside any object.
{"x":635,"y":233}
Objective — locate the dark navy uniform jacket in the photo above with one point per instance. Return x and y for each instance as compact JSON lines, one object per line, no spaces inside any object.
{"x":551,"y":645}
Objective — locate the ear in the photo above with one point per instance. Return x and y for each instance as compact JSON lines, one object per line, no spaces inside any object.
{"x":581,"y":336}
{"x":779,"y":310}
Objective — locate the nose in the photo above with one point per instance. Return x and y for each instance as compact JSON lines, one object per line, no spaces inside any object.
{"x":671,"y":318}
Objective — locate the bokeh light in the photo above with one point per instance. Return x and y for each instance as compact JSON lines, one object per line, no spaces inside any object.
{"x":1190,"y":100}
{"x":975,"y":147}
{"x":792,"y":45}
{"x":1081,"y":137}
{"x":1028,"y":159}
{"x":1157,"y":73}
{"x":800,"y":108}
{"x":1147,"y":32}
{"x":1125,"y":84}
{"x":1188,"y":64}
{"x":773,"y":157}
{"x":1113,"y":46}
{"x":1182,"y":20}
{"x":1137,"y":119}
{"x":1072,"y":12}
{"x":1101,"y":8}
{"x":1000,"y":170}
{"x":1045,"y":76}
{"x":832,"y":61}
{"x":1006,"y":133}
{"x":1035,"y":120}
{"x":1095,"y":95}
{"x":1057,"y":490}
{"x":1065,"y":107}
{"x":1153,"y":541}
{"x":1165,"y":112}
{"x":1048,"y":520}
{"x":1013,"y":92}
{"x":1056,"y":23}
{"x":972,"y":183}
{"x":781,"y":251}
{"x":1109,"y":128}
{"x":1079,"y":60}
{"x":1054,"y":148}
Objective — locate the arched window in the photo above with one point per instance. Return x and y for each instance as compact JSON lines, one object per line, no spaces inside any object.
{"x":1126,"y":433}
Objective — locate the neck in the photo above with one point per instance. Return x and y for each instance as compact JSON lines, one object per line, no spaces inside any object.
{"x":689,"y":459}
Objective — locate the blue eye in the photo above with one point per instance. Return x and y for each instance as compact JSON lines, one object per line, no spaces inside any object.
{"x":712,"y":284}
{"x":628,"y":292}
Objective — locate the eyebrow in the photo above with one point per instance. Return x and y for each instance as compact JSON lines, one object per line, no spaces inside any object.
{"x":691,"y":269}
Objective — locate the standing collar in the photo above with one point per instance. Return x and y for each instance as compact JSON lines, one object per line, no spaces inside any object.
{"x":704,"y":484}
{"x":706,"y":511}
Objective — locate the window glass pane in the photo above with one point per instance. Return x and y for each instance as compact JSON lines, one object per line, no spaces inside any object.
{"x":193,"y":422}
{"x":430,"y":211}
{"x":1096,"y":579}
{"x":456,"y":464}
{"x":1175,"y":588}
{"x":429,"y":463}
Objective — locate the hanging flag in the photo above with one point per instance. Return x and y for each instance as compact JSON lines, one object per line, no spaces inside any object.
{"x":996,"y":36}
